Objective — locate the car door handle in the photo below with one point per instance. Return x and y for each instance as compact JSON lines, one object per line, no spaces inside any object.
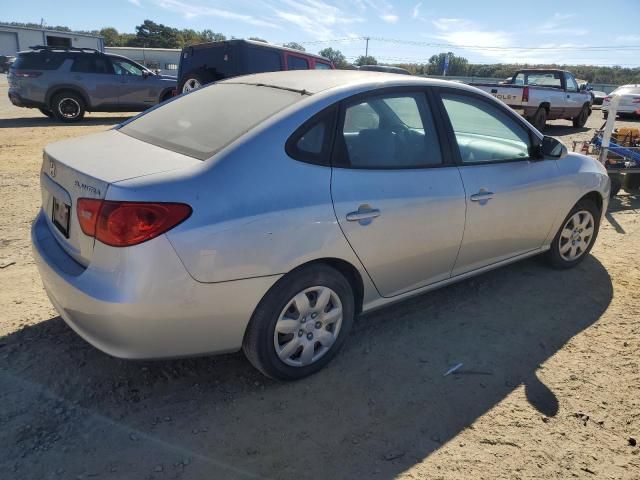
{"x":364,"y":215}
{"x":482,"y":196}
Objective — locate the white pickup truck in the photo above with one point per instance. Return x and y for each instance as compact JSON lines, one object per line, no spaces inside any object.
{"x":540,"y":95}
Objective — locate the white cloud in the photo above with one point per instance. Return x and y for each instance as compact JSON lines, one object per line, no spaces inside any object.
{"x":561,"y":24}
{"x":389,"y":18}
{"x":628,"y":38}
{"x":315,"y":17}
{"x":190,"y":10}
{"x":135,"y":2}
{"x":415,"y":13}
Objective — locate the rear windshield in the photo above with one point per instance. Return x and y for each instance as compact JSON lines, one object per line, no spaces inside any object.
{"x":39,"y":61}
{"x":627,"y":91}
{"x":202,"y":123}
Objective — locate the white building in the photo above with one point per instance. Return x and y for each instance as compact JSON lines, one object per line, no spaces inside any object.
{"x":166,"y":60}
{"x":16,"y":39}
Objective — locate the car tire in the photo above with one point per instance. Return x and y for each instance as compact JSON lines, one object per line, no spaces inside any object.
{"x":283,"y":337}
{"x":194,"y":81}
{"x":539,"y":119}
{"x":46,"y":113}
{"x":68,"y":107}
{"x":581,"y":119}
{"x":570,"y":246}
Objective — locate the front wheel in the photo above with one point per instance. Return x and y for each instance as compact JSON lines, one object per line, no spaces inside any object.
{"x":581,"y":119}
{"x":300,"y":324}
{"x":576,"y":236}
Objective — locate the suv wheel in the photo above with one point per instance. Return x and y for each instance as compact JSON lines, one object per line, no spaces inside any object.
{"x":68,"y":107}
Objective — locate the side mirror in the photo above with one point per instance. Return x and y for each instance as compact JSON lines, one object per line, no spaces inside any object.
{"x":583,"y":87}
{"x":146,"y":73}
{"x":552,"y":147}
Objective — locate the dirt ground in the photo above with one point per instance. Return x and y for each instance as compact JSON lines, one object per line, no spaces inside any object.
{"x":549,"y":388}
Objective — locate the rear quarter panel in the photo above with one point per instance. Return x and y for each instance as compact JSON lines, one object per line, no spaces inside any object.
{"x":256,"y":211}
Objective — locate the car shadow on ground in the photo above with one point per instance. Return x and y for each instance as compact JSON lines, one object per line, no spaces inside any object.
{"x":379,"y":408}
{"x":34,"y":122}
{"x":553,"y":130}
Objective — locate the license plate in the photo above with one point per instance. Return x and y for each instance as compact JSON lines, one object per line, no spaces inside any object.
{"x":60,"y":216}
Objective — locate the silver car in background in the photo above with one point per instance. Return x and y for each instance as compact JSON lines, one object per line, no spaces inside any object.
{"x":629,"y":101}
{"x":264,"y":212}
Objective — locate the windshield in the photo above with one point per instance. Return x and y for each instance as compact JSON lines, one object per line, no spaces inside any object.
{"x":205,"y":121}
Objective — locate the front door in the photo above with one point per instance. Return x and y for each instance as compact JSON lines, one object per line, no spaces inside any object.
{"x":512,"y":200}
{"x":136,"y":90}
{"x":400,"y":206}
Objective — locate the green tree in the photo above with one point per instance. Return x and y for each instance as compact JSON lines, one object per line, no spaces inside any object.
{"x":335,"y":56}
{"x":209,"y":35}
{"x":457,"y":65}
{"x":111,"y":36}
{"x":295,"y":46}
{"x":365,"y":60}
{"x":155,"y":35}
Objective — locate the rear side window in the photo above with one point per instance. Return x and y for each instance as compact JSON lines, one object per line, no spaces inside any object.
{"x":263,"y":60}
{"x":39,"y":61}
{"x":483,"y":132}
{"x":322,"y":66}
{"x":297,"y":63}
{"x":191,"y":124}
{"x":388,"y":131}
{"x":91,"y":64}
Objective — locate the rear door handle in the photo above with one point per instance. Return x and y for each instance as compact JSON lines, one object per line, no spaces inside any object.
{"x":482,"y":196}
{"x":365,"y":214}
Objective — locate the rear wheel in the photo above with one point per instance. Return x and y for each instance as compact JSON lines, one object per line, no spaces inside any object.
{"x":194,"y":80}
{"x":539,"y":119}
{"x":300,"y":324}
{"x":68,"y":107}
{"x":581,"y":119}
{"x":576,"y":236}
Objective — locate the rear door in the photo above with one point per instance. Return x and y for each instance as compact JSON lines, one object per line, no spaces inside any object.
{"x":94,"y":73}
{"x":398,"y":200}
{"x":135,"y":90}
{"x":512,"y":199}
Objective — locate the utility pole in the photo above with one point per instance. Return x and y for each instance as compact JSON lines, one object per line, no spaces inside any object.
{"x":366,"y":48}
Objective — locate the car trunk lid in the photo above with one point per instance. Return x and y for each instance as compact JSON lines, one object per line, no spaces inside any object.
{"x":84,"y":168}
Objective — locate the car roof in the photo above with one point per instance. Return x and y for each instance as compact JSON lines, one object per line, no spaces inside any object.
{"x":315,"y":81}
{"x":256,"y":43}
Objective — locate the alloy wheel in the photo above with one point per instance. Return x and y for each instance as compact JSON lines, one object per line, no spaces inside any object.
{"x":191,"y":84}
{"x":69,"y":108}
{"x":576,"y":235}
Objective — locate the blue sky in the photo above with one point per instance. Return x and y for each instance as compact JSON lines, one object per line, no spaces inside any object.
{"x":484,"y":31}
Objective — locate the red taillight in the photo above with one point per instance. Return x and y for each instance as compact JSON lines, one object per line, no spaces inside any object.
{"x":123,"y":224}
{"x":525,"y":94}
{"x":26,"y":74}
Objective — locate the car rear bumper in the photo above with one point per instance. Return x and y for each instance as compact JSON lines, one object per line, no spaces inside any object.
{"x":19,"y":101}
{"x":144,"y":304}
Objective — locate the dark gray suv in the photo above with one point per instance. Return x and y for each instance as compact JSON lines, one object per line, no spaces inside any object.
{"x":67,"y":82}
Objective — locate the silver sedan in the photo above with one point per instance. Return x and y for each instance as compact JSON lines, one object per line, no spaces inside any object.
{"x":264,"y":212}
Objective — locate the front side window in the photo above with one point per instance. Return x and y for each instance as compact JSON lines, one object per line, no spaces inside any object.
{"x":297,"y":63}
{"x":124,"y":67}
{"x":484,"y":132}
{"x":572,"y":86}
{"x":389,"y":131}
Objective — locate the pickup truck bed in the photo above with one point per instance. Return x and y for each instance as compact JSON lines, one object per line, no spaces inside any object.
{"x":539,"y":103}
